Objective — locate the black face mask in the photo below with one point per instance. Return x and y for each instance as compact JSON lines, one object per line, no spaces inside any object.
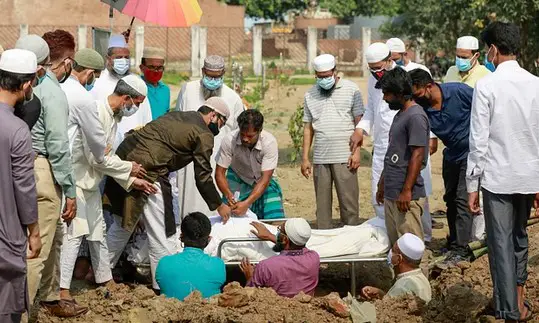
{"x":395,"y":105}
{"x":423,"y":101}
{"x":279,"y":246}
{"x":214,"y":128}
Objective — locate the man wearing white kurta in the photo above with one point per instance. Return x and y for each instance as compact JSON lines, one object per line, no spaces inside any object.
{"x":117,"y":66}
{"x":400,"y":56}
{"x":376,"y":122}
{"x":191,"y":98}
{"x":89,"y":172}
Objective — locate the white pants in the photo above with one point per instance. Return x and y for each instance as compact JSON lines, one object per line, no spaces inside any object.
{"x":153,"y":217}
{"x":377,"y":168}
{"x":99,"y":254}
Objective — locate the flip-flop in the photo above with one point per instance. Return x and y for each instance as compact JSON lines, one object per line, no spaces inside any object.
{"x":530,"y":312}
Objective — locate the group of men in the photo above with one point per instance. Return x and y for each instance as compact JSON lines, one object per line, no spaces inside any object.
{"x":487,"y":118}
{"x":85,"y":134}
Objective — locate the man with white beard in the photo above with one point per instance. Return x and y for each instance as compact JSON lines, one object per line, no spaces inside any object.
{"x":191,"y":98}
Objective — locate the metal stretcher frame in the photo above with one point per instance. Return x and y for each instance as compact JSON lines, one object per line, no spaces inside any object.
{"x":351,"y":259}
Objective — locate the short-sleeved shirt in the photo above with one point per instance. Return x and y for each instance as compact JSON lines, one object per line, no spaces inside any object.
{"x":332,"y":117}
{"x":247,"y":163}
{"x":475,"y":74}
{"x":180,"y":274}
{"x":289,"y":273}
{"x":412,"y":282}
{"x":410,"y":128}
{"x":452,"y":122}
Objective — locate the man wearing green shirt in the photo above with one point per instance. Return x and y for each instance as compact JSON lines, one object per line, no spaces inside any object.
{"x":53,"y":169}
{"x":152,"y":67}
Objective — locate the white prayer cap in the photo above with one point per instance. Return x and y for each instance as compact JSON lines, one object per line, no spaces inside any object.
{"x":411,"y":246}
{"x":468,"y":42}
{"x":117,"y":41}
{"x":36,"y":45}
{"x":298,"y":231}
{"x":377,"y":52}
{"x":18,"y":61}
{"x":214,"y":63}
{"x":137,"y":83}
{"x":324,"y":63}
{"x":396,"y":45}
{"x":218,"y":105}
{"x":153,"y":52}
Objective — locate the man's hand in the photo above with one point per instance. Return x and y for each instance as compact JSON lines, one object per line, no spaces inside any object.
{"x":473,"y":203}
{"x":354,"y":160}
{"x":145,"y":186}
{"x":34,"y":245}
{"x":70,"y":210}
{"x":247,"y":268}
{"x":240,"y":208}
{"x":370,"y":293}
{"x":356,"y":140}
{"x":261,"y":232}
{"x":224,"y":211}
{"x":536,"y":204}
{"x":403,"y":202}
{"x":231,"y":200}
{"x":306,"y":168}
{"x":138,"y":170}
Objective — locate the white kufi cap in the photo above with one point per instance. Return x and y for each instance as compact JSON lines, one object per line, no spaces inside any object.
{"x":36,"y":45}
{"x":20,"y":61}
{"x":117,"y":41}
{"x":298,"y":231}
{"x":137,"y":83}
{"x":411,"y":246}
{"x":377,"y":52}
{"x":324,"y":62}
{"x":468,"y":42}
{"x":396,"y":45}
{"x":218,"y":105}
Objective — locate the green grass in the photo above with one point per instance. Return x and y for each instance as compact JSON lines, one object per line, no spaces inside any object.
{"x":175,"y":78}
{"x":302,"y":81}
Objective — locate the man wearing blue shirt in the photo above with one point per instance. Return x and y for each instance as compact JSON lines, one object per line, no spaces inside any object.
{"x":180,"y":274}
{"x":448,"y":107}
{"x":152,"y":67}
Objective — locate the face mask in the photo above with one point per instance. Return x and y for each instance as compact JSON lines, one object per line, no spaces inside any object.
{"x":129,"y":110}
{"x":463,"y":64}
{"x":121,"y":65}
{"x":278,"y":247}
{"x":214,"y":128}
{"x":153,"y":76}
{"x":325,"y":83}
{"x":395,"y":105}
{"x":422,"y":101}
{"x":490,"y":65}
{"x":400,"y":62}
{"x":40,"y":79}
{"x":211,"y":83}
{"x":90,"y":86}
{"x":67,"y":73}
{"x":378,"y":74}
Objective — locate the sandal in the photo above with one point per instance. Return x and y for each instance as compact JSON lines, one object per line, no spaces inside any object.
{"x":529,"y":316}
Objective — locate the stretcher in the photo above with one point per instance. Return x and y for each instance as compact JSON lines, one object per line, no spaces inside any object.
{"x":351,"y":259}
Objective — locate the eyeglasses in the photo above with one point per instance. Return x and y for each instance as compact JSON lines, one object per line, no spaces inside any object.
{"x":155,"y":68}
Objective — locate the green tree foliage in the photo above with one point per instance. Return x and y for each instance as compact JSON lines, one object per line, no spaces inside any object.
{"x":439,"y":23}
{"x":270,"y":9}
{"x":352,"y":8}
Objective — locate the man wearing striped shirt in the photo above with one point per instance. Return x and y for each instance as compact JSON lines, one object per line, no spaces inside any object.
{"x":332,"y":108}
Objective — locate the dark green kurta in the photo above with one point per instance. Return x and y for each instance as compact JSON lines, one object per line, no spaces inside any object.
{"x":165,"y":145}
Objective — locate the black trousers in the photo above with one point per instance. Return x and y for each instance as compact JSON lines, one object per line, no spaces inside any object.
{"x":459,"y":217}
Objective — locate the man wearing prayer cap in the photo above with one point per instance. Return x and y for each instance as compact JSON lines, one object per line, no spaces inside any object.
{"x":152,"y":67}
{"x":191,"y":97}
{"x":333,"y":107}
{"x":165,"y":145}
{"x":117,"y":64}
{"x":295,"y":269}
{"x":18,"y":201}
{"x":404,"y":258}
{"x":90,"y":171}
{"x":400,"y":56}
{"x":53,"y":167}
{"x":467,"y":68}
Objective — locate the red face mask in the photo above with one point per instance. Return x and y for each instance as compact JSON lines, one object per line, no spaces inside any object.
{"x":152,"y":76}
{"x":378,"y":75}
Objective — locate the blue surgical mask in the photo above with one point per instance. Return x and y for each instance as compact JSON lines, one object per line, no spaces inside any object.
{"x":121,"y":65}
{"x":212,"y":83}
{"x":463,"y":64}
{"x":325,"y":83}
{"x":491,"y":67}
{"x":400,"y":62}
{"x":90,"y":86}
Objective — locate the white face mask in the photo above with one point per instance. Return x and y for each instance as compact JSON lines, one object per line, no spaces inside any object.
{"x":121,"y":65}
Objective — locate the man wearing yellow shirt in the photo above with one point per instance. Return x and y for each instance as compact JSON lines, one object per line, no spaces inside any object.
{"x":467,"y":68}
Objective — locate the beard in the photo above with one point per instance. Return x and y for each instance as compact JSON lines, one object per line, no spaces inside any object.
{"x":209,"y":93}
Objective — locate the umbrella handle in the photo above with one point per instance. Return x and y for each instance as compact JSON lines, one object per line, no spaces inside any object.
{"x":128,"y":31}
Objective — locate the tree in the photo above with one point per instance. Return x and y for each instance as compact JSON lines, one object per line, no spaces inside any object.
{"x":352,"y":8}
{"x":269,"y":9}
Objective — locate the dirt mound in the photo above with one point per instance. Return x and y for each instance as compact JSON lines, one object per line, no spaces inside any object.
{"x":139,"y":304}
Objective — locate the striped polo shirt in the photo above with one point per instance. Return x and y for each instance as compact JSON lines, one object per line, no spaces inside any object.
{"x":332,"y":117}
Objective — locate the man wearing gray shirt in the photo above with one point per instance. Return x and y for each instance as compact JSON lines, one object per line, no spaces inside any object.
{"x":401,"y":188}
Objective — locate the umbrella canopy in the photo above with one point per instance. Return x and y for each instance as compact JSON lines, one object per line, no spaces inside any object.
{"x":166,"y":13}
